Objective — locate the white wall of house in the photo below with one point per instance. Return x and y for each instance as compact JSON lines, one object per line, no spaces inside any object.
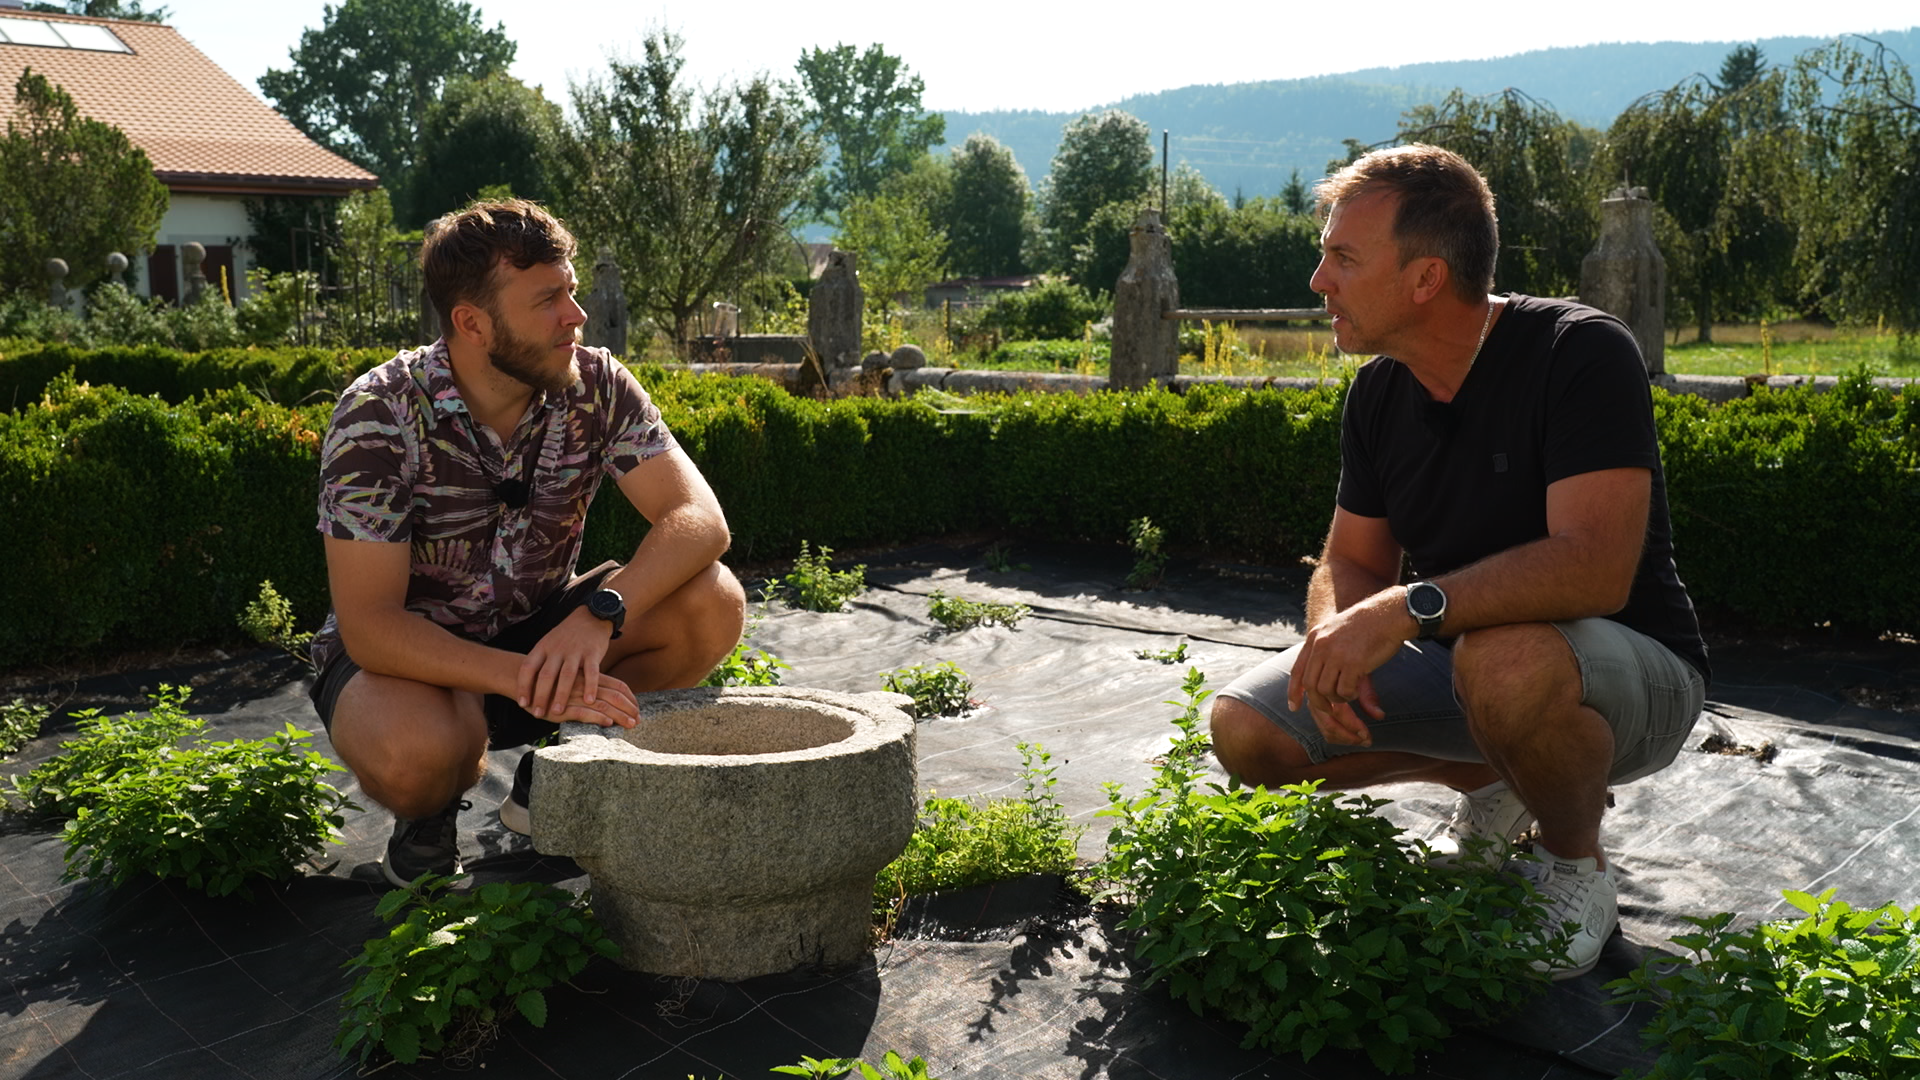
{"x":210,"y":220}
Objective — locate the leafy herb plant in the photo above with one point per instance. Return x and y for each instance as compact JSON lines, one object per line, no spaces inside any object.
{"x":938,"y":690}
{"x":19,"y":724}
{"x":215,"y":816}
{"x":105,"y":747}
{"x":891,"y":1067}
{"x":1829,"y":996}
{"x":746,"y":665}
{"x":1303,"y":916}
{"x":459,"y":964}
{"x":268,"y":619}
{"x":956,"y":613}
{"x":1175,"y":655}
{"x":1149,"y":562}
{"x":815,"y":585}
{"x":962,"y":842}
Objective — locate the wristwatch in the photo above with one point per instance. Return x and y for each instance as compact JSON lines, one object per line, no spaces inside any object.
{"x":1428,"y":606}
{"x":610,"y":606}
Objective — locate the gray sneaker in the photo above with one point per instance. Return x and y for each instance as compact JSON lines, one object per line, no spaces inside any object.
{"x":1580,"y":901}
{"x":1498,"y":816}
{"x":426,"y":845}
{"x":515,"y":813}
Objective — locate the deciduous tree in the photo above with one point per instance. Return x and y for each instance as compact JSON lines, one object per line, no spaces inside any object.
{"x":362,"y":83}
{"x":481,"y":133}
{"x":988,"y":218}
{"x":694,"y":197}
{"x":1104,"y":157}
{"x":865,"y":107}
{"x":71,"y":187}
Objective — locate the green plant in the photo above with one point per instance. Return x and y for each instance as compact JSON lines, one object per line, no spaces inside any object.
{"x":458,"y":964}
{"x":1149,"y":562}
{"x":216,"y":816}
{"x":891,"y":1067}
{"x":962,"y":842}
{"x":1828,"y":996}
{"x":815,"y":585}
{"x":268,"y":619}
{"x":957,"y":613}
{"x":745,"y":665}
{"x":1049,"y":310}
{"x":1175,"y":655}
{"x":939,"y":690}
{"x":19,"y":724}
{"x":1305,"y":918}
{"x":104,"y":748}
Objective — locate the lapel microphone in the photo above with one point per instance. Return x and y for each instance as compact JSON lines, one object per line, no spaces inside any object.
{"x":512,"y":492}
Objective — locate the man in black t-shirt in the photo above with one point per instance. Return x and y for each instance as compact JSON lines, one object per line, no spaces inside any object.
{"x":1540,"y":646}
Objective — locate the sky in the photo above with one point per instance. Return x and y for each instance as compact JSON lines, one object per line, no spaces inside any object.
{"x":1048,"y":55}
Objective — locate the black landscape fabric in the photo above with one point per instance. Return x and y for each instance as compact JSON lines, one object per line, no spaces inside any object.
{"x":1017,"y":980}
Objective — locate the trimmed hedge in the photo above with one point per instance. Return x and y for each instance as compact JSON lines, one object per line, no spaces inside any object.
{"x":290,"y":376}
{"x":134,"y":521}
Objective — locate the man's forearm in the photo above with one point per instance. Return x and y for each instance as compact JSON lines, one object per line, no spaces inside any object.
{"x":682,"y":543}
{"x":1337,"y":585}
{"x":407,"y":645}
{"x":1547,"y":580}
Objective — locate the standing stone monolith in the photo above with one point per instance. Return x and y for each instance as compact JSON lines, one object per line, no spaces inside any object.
{"x":194,"y":255}
{"x":607,"y":307}
{"x":1146,"y":346}
{"x":833,"y":313}
{"x":57,"y":283}
{"x":1625,"y":275}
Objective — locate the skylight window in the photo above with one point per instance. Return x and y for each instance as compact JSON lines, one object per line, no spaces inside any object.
{"x":59,"y":35}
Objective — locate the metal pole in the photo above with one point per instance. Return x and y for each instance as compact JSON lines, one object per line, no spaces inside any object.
{"x":1163,"y":174}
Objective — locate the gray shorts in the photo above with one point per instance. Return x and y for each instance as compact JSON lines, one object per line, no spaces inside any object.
{"x":1649,"y":696}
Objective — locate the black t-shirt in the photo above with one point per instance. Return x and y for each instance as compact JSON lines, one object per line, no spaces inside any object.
{"x":1558,"y":390}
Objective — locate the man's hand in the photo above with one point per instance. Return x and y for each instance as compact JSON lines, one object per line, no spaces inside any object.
{"x":560,"y":679}
{"x":1334,"y":668}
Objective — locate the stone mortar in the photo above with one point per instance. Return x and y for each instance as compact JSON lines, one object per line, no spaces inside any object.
{"x":734,"y":832}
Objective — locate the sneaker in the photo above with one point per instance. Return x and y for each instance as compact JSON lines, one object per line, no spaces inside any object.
{"x":425,"y":845}
{"x":1495,"y":813}
{"x":1577,"y":892}
{"x":514,"y":813}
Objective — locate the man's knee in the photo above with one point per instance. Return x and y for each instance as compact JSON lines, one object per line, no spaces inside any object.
{"x":1252,"y":747}
{"x":412,"y":747}
{"x":1518,"y":662}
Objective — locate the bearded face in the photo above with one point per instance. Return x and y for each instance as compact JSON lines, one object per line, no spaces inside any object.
{"x":532,"y":362}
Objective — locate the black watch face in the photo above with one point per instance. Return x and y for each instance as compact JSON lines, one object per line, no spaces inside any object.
{"x":605,"y":604}
{"x":1427,"y":601}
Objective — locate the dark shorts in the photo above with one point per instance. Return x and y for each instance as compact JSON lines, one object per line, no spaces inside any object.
{"x":507,"y":723}
{"x":1648,"y":694}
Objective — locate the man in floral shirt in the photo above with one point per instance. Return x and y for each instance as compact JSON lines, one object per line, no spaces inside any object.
{"x":454,"y":485}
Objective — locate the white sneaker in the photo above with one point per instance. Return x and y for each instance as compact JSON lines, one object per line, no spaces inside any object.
{"x":1494,"y":812}
{"x":1577,"y":892}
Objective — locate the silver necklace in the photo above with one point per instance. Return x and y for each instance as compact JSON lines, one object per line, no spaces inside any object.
{"x":1485,"y":325}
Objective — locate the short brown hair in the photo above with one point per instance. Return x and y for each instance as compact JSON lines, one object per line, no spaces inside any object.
{"x":463,"y":250}
{"x":1446,"y":209}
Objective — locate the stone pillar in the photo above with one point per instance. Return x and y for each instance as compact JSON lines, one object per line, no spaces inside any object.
{"x":726,"y":319}
{"x":1625,"y":275}
{"x":833,"y":314}
{"x":194,"y":254}
{"x":57,"y":283}
{"x":607,"y":306}
{"x":1146,"y":347}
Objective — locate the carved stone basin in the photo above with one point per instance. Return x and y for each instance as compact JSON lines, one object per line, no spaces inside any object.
{"x":734,"y":832}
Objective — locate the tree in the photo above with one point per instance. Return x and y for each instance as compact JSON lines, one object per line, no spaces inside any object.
{"x":71,"y":188}
{"x":693,"y":197}
{"x":1715,"y":161}
{"x":1103,"y":158}
{"x":1859,"y":204}
{"x":1295,"y":196}
{"x":1548,"y":216}
{"x":865,"y":107}
{"x":900,"y":250}
{"x":362,"y":84}
{"x":106,"y":9}
{"x":987,"y":219}
{"x":485,"y":132}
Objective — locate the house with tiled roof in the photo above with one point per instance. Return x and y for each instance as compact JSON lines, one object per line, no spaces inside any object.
{"x":212,"y":142}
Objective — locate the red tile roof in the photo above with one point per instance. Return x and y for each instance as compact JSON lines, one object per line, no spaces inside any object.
{"x":203,"y":131}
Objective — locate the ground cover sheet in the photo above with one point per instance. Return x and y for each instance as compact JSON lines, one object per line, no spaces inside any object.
{"x":153,"y":981}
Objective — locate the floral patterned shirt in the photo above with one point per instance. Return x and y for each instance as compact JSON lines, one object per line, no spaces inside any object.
{"x":405,"y":462}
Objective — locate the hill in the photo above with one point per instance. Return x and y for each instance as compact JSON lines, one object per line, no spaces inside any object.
{"x":1249,"y":137}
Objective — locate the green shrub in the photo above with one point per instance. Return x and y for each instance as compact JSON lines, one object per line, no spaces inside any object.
{"x":938,"y":690}
{"x":891,"y":1067}
{"x":962,"y":842}
{"x":1304,"y":918}
{"x":1829,"y":996}
{"x":958,"y":613}
{"x":216,"y":816}
{"x":1149,"y":562}
{"x":269,"y":621}
{"x":104,"y":748}
{"x":815,"y":585}
{"x":1050,"y":309}
{"x":460,"y":964}
{"x":19,"y":725}
{"x":1063,"y":355}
